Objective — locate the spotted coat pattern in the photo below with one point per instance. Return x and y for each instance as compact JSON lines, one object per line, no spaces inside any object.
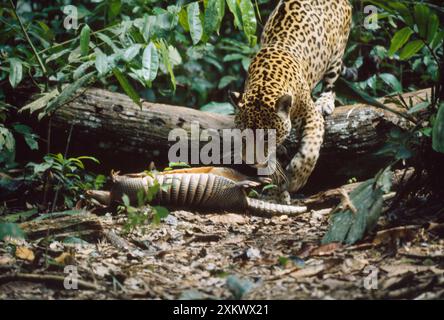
{"x":302,"y":44}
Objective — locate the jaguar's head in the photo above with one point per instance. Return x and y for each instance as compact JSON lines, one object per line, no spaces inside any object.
{"x":259,"y":111}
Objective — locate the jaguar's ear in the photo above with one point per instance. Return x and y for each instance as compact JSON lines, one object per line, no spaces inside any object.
{"x":284,"y":103}
{"x":235,"y":98}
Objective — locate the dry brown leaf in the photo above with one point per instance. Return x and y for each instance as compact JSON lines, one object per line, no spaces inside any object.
{"x":354,"y":264}
{"x":24,"y":254}
{"x":308,"y":272}
{"x":6,"y":260}
{"x":396,"y":270}
{"x":422,"y":252}
{"x":229,"y":218}
{"x":405,"y":233}
{"x":306,"y":249}
{"x":65,"y":258}
{"x":326,"y":249}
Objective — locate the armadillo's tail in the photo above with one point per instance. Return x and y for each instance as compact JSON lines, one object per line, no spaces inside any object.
{"x":263,"y":208}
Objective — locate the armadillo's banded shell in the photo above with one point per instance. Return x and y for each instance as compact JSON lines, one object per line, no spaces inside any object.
{"x":192,"y":190}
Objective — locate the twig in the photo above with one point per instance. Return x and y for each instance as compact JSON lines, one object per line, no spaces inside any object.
{"x":56,"y":196}
{"x":48,"y":150}
{"x":59,"y":280}
{"x":286,"y":273}
{"x":68,"y":142}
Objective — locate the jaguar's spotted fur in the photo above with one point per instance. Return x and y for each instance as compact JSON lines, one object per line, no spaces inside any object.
{"x":303,"y":43}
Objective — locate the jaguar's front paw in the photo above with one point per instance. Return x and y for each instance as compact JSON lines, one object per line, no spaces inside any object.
{"x":285,"y":198}
{"x":326,"y":103}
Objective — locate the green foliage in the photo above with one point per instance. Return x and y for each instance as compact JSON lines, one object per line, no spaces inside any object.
{"x":438,"y":131}
{"x":66,"y":176}
{"x":349,"y":225}
{"x":407,"y":60}
{"x":238,"y":286}
{"x":140,"y":215}
{"x":8,"y":136}
{"x":20,"y":216}
{"x":218,"y":107}
{"x":179,"y":41}
{"x":10,"y":230}
{"x":417,"y":44}
{"x":191,"y":53}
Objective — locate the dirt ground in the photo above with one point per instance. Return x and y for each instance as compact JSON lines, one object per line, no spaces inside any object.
{"x":225,"y":256}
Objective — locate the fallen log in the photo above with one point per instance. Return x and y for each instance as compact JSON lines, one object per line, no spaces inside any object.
{"x":85,"y":225}
{"x":127,"y":136}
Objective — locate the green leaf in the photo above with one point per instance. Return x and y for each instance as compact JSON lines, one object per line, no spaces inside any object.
{"x":239,"y":287}
{"x":93,"y":159}
{"x":233,"y":6}
{"x":150,"y":62}
{"x":269,"y":187}
{"x":108,"y":41}
{"x":15,"y":71}
{"x":85,"y":36}
{"x":419,"y":107}
{"x":41,"y":102}
{"x":422,"y":13}
{"x":126,"y":86}
{"x":437,"y":40}
{"x":411,"y":49}
{"x":57,"y":55}
{"x":233,"y":57}
{"x":148,"y":27}
{"x":161,"y":212}
{"x":81,"y":70}
{"x":350,"y":227}
{"x":225,"y":81}
{"x":52,"y":215}
{"x":20,"y":216}
{"x":212,"y":18}
{"x":403,"y":10}
{"x":131,"y":52}
{"x":40,"y":168}
{"x":126,"y":200}
{"x":165,"y":53}
{"x":74,"y":241}
{"x":399,"y":40}
{"x":438,"y":131}
{"x":29,"y":137}
{"x":68,"y":92}
{"x":432,"y":28}
{"x":183,"y":20}
{"x":392,"y":81}
{"x":249,"y":21}
{"x":11,"y":230}
{"x":114,"y":8}
{"x":194,"y":22}
{"x":101,"y":63}
{"x":218,"y":107}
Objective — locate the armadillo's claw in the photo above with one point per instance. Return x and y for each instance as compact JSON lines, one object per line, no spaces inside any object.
{"x":265,"y":180}
{"x":248,"y":184}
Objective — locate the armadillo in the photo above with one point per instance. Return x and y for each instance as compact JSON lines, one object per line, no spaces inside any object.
{"x":194,"y":190}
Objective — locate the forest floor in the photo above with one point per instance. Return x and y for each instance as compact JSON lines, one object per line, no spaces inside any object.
{"x":224,"y":256}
